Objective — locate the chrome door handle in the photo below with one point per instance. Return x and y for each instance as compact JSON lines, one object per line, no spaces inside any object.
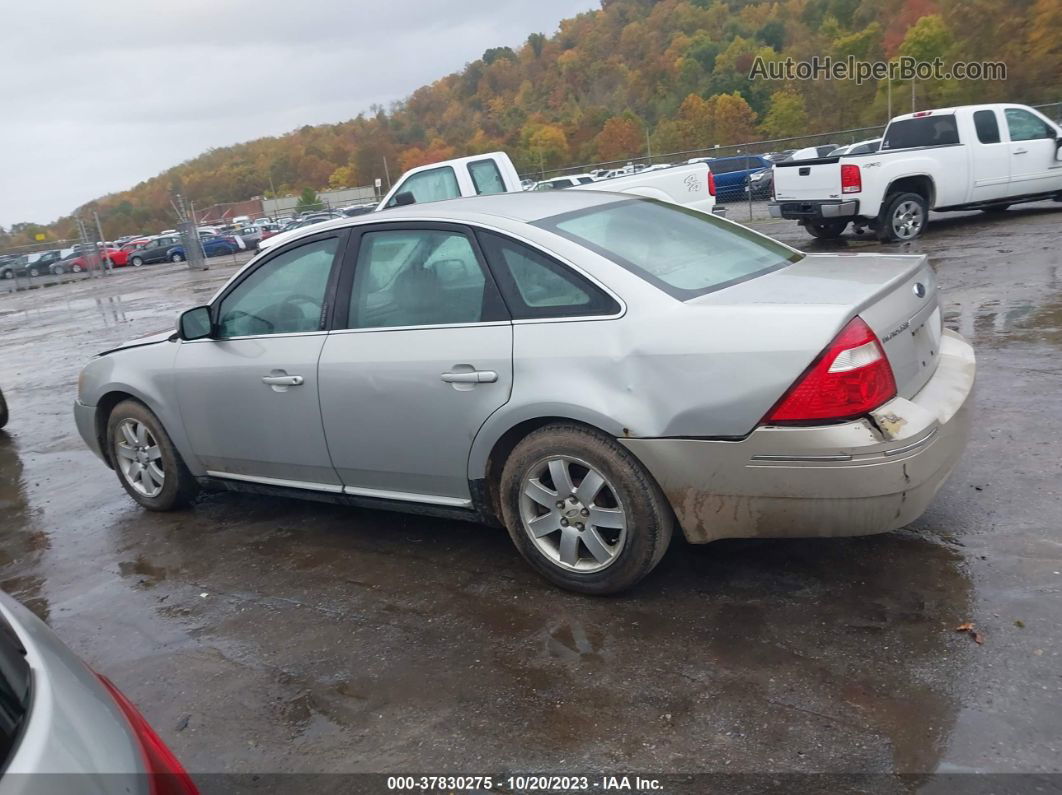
{"x":282,"y":380}
{"x":473,"y":377}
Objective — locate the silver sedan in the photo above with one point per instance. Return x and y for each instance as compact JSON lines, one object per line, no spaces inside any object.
{"x":587,"y":369}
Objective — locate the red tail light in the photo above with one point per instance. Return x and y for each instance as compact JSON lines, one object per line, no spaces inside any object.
{"x":711,"y":183}
{"x":851,"y":180}
{"x":168,"y":777}
{"x":848,"y":379}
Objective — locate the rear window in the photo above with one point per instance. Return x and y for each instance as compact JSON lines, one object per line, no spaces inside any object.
{"x":987,"y":126}
{"x":486,"y":178}
{"x":923,"y":131}
{"x":683,"y":252}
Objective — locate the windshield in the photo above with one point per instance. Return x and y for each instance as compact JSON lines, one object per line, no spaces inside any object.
{"x":684,"y":252}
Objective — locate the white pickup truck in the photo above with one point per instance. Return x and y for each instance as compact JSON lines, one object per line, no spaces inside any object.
{"x":975,"y":157}
{"x":689,"y":185}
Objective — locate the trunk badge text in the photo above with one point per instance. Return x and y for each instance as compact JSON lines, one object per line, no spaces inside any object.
{"x":906,"y":324}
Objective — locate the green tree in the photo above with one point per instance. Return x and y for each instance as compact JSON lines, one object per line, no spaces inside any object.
{"x":786,"y":115}
{"x":308,"y":200}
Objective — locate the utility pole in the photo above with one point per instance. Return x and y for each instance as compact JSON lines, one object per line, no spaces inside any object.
{"x":889,"y":84}
{"x":648,"y":146}
{"x":387,"y":173}
{"x":913,"y":108}
{"x":106,"y":257}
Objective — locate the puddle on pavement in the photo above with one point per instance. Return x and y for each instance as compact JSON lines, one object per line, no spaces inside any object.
{"x":22,"y":541}
{"x":995,"y":323}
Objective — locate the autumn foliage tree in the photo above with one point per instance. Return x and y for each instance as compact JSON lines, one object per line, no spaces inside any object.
{"x":620,"y":138}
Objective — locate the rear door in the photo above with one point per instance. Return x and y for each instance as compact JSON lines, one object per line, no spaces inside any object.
{"x":989,"y":156}
{"x":419,"y":356}
{"x":1033,"y":146}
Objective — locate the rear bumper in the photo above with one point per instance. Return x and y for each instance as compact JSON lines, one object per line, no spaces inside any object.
{"x":854,"y":478}
{"x":814,"y":210}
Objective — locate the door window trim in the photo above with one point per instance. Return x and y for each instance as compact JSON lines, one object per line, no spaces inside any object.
{"x":345,"y":282}
{"x":341,"y":234}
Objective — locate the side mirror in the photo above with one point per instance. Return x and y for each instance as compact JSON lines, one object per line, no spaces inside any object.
{"x":404,"y":198}
{"x":195,"y":324}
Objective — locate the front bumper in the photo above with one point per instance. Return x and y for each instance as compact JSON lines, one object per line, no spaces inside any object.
{"x":814,"y":210}
{"x":867,"y":476}
{"x":85,"y":419}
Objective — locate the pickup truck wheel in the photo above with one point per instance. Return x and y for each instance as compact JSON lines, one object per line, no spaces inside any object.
{"x":995,"y":208}
{"x":148,"y":465}
{"x":583,"y":511}
{"x":903,"y":217}
{"x":826,"y":230}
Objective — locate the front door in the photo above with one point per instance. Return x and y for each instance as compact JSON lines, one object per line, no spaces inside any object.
{"x":249,"y":396}
{"x":420,"y":356}
{"x":1033,"y":145}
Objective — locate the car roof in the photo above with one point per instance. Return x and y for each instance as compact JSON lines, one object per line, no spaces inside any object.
{"x":525,"y":206}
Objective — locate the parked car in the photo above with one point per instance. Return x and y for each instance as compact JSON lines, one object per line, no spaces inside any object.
{"x":583,"y":367}
{"x":813,"y":152}
{"x":155,"y":250}
{"x":112,"y":257}
{"x":64,"y":723}
{"x":568,"y":181}
{"x":213,"y":247}
{"x":858,"y":148}
{"x":974,"y":157}
{"x":761,"y":184}
{"x":732,"y":174}
{"x":29,"y":265}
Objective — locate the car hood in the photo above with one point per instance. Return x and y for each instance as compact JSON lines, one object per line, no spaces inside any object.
{"x":151,"y":339}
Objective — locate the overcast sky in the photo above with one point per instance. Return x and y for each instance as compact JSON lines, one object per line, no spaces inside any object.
{"x":101,"y":95}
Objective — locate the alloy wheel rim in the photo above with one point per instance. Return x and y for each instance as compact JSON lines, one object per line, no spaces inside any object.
{"x":572,"y":514}
{"x":139,"y":458}
{"x":907,"y":220}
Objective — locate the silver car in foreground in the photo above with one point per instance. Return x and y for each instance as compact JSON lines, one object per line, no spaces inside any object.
{"x":587,"y":369}
{"x":66,"y":729}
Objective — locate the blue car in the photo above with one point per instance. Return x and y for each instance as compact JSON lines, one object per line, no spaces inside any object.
{"x":212,"y":247}
{"x":732,"y":174}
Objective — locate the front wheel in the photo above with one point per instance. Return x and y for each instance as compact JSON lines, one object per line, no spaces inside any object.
{"x":826,"y":230}
{"x":583,"y":511}
{"x":903,"y":217}
{"x":137,"y":261}
{"x":76,"y":268}
{"x":148,"y":465}
{"x":59,"y":270}
{"x":176,"y":257}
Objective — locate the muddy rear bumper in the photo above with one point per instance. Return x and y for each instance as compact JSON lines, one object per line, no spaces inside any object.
{"x":856,"y":478}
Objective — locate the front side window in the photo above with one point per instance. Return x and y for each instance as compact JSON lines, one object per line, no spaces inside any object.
{"x":419,"y":277}
{"x":433,"y":185}
{"x":683,"y":252}
{"x":485,"y":177}
{"x":987,"y":126}
{"x":285,"y":295}
{"x":537,"y":286}
{"x":1024,"y":126}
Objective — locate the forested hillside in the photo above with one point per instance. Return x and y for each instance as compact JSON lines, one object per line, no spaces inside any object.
{"x":675,"y":70}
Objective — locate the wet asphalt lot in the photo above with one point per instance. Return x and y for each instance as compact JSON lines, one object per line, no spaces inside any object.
{"x":262,"y":634}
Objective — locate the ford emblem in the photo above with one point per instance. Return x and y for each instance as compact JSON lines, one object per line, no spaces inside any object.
{"x":919,"y":289}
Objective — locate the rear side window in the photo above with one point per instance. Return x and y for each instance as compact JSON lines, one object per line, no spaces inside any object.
{"x":433,"y":185}
{"x":923,"y":131}
{"x":1024,"y":126}
{"x":681,"y":251}
{"x":987,"y":126}
{"x":537,"y":286}
{"x":486,"y":178}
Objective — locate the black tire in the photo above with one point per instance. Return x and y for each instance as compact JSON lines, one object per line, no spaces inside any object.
{"x":179,"y":487}
{"x":136,"y":262}
{"x":177,"y":257}
{"x":826,"y":230}
{"x":995,"y":208}
{"x":3,"y":411}
{"x":59,"y":270}
{"x":889,"y":230}
{"x":33,"y":272}
{"x":8,"y":274}
{"x":77,"y":269}
{"x":650,"y":520}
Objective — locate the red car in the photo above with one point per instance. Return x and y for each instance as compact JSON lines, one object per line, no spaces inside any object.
{"x":82,"y":262}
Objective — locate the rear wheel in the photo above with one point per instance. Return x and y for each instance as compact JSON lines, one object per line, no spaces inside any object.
{"x":147,"y":464}
{"x":583,"y":511}
{"x":8,"y":274}
{"x":826,"y":230}
{"x":995,"y":208}
{"x":76,"y":268}
{"x":34,"y":272}
{"x":903,"y":217}
{"x":136,"y":262}
{"x":59,"y":270}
